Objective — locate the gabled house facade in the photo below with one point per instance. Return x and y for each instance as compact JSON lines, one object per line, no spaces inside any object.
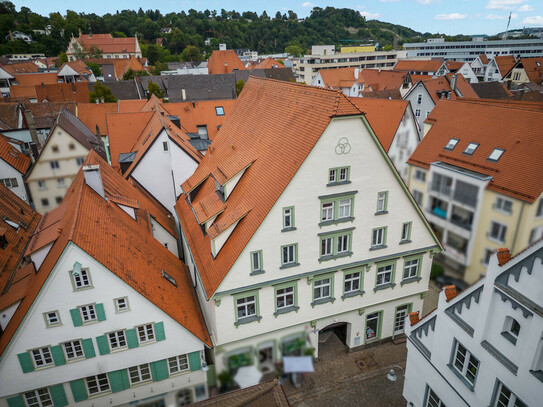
{"x":347,"y":79}
{"x":88,"y":45}
{"x":482,"y":347}
{"x":478,"y":66}
{"x":13,"y":167}
{"x":524,"y":71}
{"x":480,"y":189}
{"x":105,"y":320}
{"x":285,"y":237}
{"x":499,"y":66}
{"x":452,"y":67}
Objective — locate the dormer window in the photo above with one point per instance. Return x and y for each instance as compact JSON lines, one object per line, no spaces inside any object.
{"x":496,"y":154}
{"x":470,"y":149}
{"x":451,"y":144}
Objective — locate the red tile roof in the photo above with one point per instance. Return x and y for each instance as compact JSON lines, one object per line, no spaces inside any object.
{"x":266,"y":120}
{"x":384,"y":117}
{"x":505,"y":63}
{"x":416,"y":65}
{"x":380,"y":79}
{"x":13,"y":157}
{"x":16,"y":288}
{"x":123,"y":130}
{"x":338,"y":78}
{"x":519,"y":171}
{"x":484,"y":59}
{"x":109,"y":235}
{"x":454,"y":66}
{"x":417,"y":78}
{"x":93,"y":115}
{"x":433,"y":86}
{"x":224,"y":62}
{"x":267,"y":63}
{"x":79,"y":66}
{"x":26,"y":83}
{"x":16,"y":210}
{"x":21,"y":67}
{"x":63,"y":92}
{"x":534,"y":69}
{"x":108,"y":44}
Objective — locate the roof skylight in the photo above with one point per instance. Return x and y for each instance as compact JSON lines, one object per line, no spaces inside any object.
{"x":451,"y":144}
{"x":169,"y":278}
{"x":496,"y":154}
{"x":470,"y":149}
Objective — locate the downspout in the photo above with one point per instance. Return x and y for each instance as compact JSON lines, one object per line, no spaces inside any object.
{"x":517,"y":228}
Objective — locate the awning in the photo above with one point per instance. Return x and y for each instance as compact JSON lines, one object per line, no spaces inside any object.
{"x":298,"y":364}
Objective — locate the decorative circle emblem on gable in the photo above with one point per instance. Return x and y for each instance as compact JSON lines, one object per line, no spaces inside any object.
{"x":343,"y":146}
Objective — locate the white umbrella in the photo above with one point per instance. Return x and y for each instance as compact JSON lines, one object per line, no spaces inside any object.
{"x":247,"y":376}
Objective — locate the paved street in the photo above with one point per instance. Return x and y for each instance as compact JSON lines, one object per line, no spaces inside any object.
{"x":356,"y":378}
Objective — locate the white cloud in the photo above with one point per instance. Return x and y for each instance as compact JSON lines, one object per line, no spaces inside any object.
{"x":452,"y":16}
{"x":308,"y":4}
{"x":426,"y":2}
{"x":534,"y":20}
{"x":504,"y":4}
{"x":501,"y":17}
{"x":526,"y":7}
{"x":369,"y":15}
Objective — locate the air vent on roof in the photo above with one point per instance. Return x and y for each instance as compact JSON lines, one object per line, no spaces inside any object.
{"x":169,"y":278}
{"x":451,"y":144}
{"x":11,"y":223}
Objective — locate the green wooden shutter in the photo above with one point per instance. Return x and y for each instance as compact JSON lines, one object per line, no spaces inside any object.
{"x":159,"y":370}
{"x":100,"y":312}
{"x":194,"y":360}
{"x":88,"y":348}
{"x":26,"y":362}
{"x":78,"y":390}
{"x":58,"y":355}
{"x":160,"y":335}
{"x":16,"y":401}
{"x":58,"y":395}
{"x":76,"y":317}
{"x":131,"y":338}
{"x":118,"y":380}
{"x":103,"y":347}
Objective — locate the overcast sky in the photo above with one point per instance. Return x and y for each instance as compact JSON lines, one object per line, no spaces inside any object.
{"x":444,"y":16}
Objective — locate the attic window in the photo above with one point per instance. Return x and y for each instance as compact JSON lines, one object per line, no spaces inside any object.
{"x":169,"y":278}
{"x":496,"y":154}
{"x":470,"y":149}
{"x":219,"y":110}
{"x":451,"y":144}
{"x":11,"y":223}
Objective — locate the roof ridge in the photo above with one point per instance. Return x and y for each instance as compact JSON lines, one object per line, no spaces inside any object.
{"x":513,"y":104}
{"x":302,"y":85}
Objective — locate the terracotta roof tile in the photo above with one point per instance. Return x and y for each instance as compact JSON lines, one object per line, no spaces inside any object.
{"x":534,"y":69}
{"x":26,"y":83}
{"x":337,"y":78}
{"x":417,"y":78}
{"x":13,"y":157}
{"x":131,"y":105}
{"x":45,"y":113}
{"x":9,"y":115}
{"x":79,"y":66}
{"x":16,"y":289}
{"x":14,"y":209}
{"x":484,"y":59}
{"x":505,"y":63}
{"x":224,"y":62}
{"x":518,"y":172}
{"x":93,"y":115}
{"x":228,"y":219}
{"x":107,"y":43}
{"x":266,"y":120}
{"x":416,"y":65}
{"x":88,"y":216}
{"x":122,"y":200}
{"x":207,"y":207}
{"x":63,"y":92}
{"x":454,"y":66}
{"x":384,"y":117}
{"x":267,"y":63}
{"x":21,"y":67}
{"x":435,"y":85}
{"x":123,"y":130}
{"x":381,"y":79}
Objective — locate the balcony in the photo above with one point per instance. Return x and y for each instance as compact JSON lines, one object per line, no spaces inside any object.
{"x":461,"y":217}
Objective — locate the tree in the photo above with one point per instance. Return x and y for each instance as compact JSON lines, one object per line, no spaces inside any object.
{"x":154,"y":89}
{"x":95,"y":68}
{"x":191,"y":53}
{"x":159,"y":67}
{"x":95,"y":52}
{"x":239,"y":86}
{"x":100,"y":91}
{"x":130,"y":74}
{"x":294,"y":50}
{"x":62,"y":58}
{"x":153,"y":54}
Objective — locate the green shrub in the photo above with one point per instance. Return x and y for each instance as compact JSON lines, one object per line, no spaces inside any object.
{"x":437,"y":270}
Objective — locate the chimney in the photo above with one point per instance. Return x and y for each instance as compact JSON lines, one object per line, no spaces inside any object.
{"x":414,"y":317}
{"x":97,"y":100}
{"x":450,"y":292}
{"x":504,"y":255}
{"x":356,"y":72}
{"x":32,"y":128}
{"x":93,"y":179}
{"x":102,"y":100}
{"x":453,"y":83}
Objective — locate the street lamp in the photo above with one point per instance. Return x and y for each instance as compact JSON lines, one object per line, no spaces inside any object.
{"x":391,"y":375}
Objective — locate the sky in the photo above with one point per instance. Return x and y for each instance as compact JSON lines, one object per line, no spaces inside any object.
{"x":434,"y":16}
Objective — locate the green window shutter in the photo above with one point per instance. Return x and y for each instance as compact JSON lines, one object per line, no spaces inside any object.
{"x":88,"y":348}
{"x":78,"y":390}
{"x":131,"y":338}
{"x":26,"y":362}
{"x":100,"y":313}
{"x":194,"y":361}
{"x":103,"y":347}
{"x":58,"y":395}
{"x":159,"y":331}
{"x":58,"y":356}
{"x":16,"y":401}
{"x":118,"y":380}
{"x":76,"y":317}
{"x":159,"y":370}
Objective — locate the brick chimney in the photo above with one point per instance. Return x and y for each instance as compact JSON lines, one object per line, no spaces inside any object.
{"x":504,"y":255}
{"x":450,"y":292}
{"x":414,"y":317}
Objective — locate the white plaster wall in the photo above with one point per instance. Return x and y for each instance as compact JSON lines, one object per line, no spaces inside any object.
{"x":39,"y":255}
{"x":7,"y":313}
{"x":164,"y":237}
{"x":58,"y":294}
{"x":404,"y":143}
{"x":7,"y":171}
{"x":183,"y":167}
{"x":426,"y":105}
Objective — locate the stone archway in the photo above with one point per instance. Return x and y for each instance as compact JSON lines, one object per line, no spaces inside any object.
{"x":333,"y":340}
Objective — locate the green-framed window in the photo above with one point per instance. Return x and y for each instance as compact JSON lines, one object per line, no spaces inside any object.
{"x":257,"y":266}
{"x":384,"y":275}
{"x":288,"y":219}
{"x":353,"y":282}
{"x":400,"y":314}
{"x":335,"y":244}
{"x":289,"y":255}
{"x":337,"y":208}
{"x":246,"y":308}
{"x":339,"y":176}
{"x":323,"y":289}
{"x":374,"y":322}
{"x":406,"y":232}
{"x":379,"y":238}
{"x":382,"y":202}
{"x":286,"y":298}
{"x":411,"y":269}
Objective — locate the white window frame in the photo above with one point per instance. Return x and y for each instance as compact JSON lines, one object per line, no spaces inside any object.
{"x":319,"y":288}
{"x":501,"y":203}
{"x":42,"y":398}
{"x":256,"y":261}
{"x":41,"y":184}
{"x":287,"y":218}
{"x":79,"y":161}
{"x":88,"y":313}
{"x":55,"y":165}
{"x":73,"y":350}
{"x":382,"y":273}
{"x":284,"y":294}
{"x":419,"y":195}
{"x":435,"y":400}
{"x":378,"y":237}
{"x":343,"y":174}
{"x":349,"y":282}
{"x":332,"y":176}
{"x":117,"y":340}
{"x":327,"y":246}
{"x":290,"y":252}
{"x":146,"y":333}
{"x":420,"y":175}
{"x":511,"y":397}
{"x":178,"y":364}
{"x":381,"y":202}
{"x":462,"y":366}
{"x":343,"y":242}
{"x":419,"y":98}
{"x":411,"y":268}
{"x":52,"y":319}
{"x":139,"y":374}
{"x":344,"y":210}
{"x":119,"y":307}
{"x":83,"y":280}
{"x":243,"y":304}
{"x":406,"y":231}
{"x":417,"y":112}
{"x":41,"y":357}
{"x":97,"y":384}
{"x":327,"y":211}
{"x":502,"y":232}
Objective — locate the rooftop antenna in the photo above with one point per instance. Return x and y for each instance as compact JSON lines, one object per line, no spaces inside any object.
{"x":507,"y":29}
